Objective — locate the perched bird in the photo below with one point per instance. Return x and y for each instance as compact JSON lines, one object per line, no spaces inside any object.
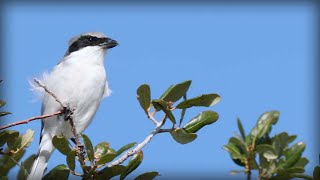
{"x":79,"y":81}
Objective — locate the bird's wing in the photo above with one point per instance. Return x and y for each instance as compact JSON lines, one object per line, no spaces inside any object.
{"x":42,"y":123}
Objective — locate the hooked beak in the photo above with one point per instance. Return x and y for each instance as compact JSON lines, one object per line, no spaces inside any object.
{"x":109,"y":43}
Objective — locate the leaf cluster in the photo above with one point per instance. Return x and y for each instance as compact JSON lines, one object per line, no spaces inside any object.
{"x":273,"y":156}
{"x":166,"y":103}
{"x":3,"y":113}
{"x":97,"y":157}
{"x":12,"y":148}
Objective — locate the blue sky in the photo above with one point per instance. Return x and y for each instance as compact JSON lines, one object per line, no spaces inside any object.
{"x":258,"y":58}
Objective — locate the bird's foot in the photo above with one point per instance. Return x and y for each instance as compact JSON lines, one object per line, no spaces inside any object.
{"x":81,"y":150}
{"x":67,"y":113}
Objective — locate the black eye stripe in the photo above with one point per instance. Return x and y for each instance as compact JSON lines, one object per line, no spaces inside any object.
{"x":91,"y":38}
{"x":85,"y":41}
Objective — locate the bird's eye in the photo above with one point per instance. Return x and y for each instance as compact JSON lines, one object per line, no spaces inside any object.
{"x":92,"y":39}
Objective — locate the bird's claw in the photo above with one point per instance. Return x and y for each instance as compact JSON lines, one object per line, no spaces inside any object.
{"x":67,"y":112}
{"x":81,"y":150}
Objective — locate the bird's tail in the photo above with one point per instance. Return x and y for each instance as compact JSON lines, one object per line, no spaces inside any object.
{"x":46,"y":148}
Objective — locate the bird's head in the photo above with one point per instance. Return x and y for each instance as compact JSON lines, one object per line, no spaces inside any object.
{"x":92,"y":40}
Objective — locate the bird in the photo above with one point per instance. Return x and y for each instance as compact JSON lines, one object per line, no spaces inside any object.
{"x":79,"y":80}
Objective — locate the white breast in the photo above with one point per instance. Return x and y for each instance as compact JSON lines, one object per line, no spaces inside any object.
{"x":79,"y":81}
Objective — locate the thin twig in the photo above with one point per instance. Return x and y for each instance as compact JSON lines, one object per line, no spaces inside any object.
{"x":49,"y":92}
{"x":139,"y":146}
{"x":151,"y":117}
{"x":77,"y":139}
{"x":30,"y":119}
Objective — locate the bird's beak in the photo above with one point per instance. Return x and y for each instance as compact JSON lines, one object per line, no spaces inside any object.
{"x":109,"y":43}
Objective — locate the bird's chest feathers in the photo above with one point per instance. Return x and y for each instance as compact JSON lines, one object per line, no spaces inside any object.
{"x":83,"y":81}
{"x":87,"y":81}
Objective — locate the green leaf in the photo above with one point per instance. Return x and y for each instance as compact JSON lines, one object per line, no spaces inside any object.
{"x":295,"y":170}
{"x":133,"y":164}
{"x":234,"y":151}
{"x":240,"y":144}
{"x":8,"y":136}
{"x":25,"y":167}
{"x":107,"y":157}
{"x":297,"y":148}
{"x":292,"y":138}
{"x":71,"y":160}
{"x":290,"y":173}
{"x":100,"y":149}
{"x":14,"y":145}
{"x":264,"y":124}
{"x":293,"y":154}
{"x":60,"y":172}
{"x":281,"y":142}
{"x":203,"y":100}
{"x":143,"y":95}
{"x":158,"y":103}
{"x":267,"y":151}
{"x":62,"y":144}
{"x":240,"y":127}
{"x":248,"y":139}
{"x":2,"y":103}
{"x":203,"y":119}
{"x":175,"y":92}
{"x":111,"y":151}
{"x":236,"y":155}
{"x":183,"y":137}
{"x":8,"y":162}
{"x":89,"y":147}
{"x":183,"y":112}
{"x":302,"y":162}
{"x":4,"y":113}
{"x":126,"y":147}
{"x":3,"y":178}
{"x":27,"y":138}
{"x":147,"y":176}
{"x":316,"y":173}
{"x":109,"y":172}
{"x":238,"y":162}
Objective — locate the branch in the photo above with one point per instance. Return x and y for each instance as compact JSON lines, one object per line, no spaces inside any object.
{"x":141,"y":145}
{"x":151,"y":117}
{"x":30,"y":119}
{"x":79,"y":149}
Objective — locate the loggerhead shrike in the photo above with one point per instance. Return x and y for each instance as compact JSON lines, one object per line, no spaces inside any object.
{"x":79,"y":81}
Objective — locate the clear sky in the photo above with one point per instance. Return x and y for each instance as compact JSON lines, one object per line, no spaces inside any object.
{"x":258,"y":58}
